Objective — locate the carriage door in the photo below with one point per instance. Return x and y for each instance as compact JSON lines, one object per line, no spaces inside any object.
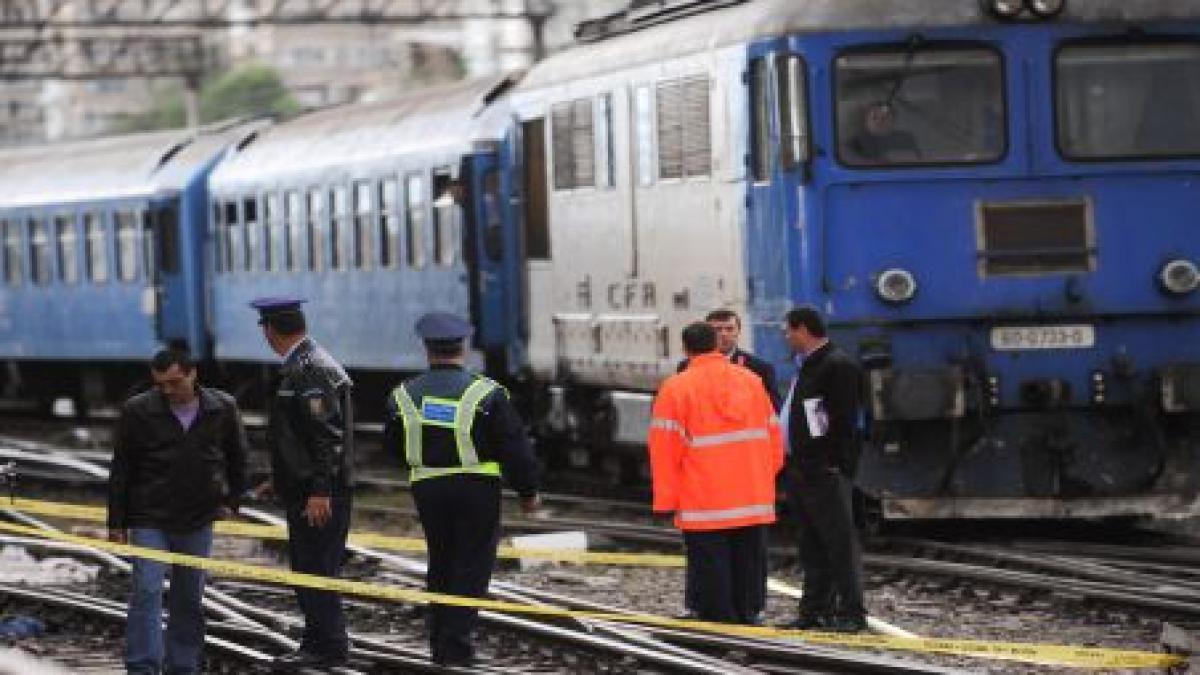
{"x":779,"y":169}
{"x":492,"y":248}
{"x":164,"y":271}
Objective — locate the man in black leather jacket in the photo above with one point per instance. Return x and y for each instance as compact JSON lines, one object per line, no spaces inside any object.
{"x":179,"y":463}
{"x":824,"y":441}
{"x":310,"y":438}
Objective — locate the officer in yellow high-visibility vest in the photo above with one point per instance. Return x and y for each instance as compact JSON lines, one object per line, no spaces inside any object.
{"x":458,"y":432}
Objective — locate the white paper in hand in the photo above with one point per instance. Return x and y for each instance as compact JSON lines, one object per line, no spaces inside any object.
{"x":816,"y":416}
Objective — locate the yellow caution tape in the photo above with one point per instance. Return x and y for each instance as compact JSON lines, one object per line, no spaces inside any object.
{"x":369,"y":539}
{"x":1043,"y":654}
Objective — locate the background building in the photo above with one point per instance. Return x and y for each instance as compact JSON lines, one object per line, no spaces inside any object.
{"x":319,"y":64}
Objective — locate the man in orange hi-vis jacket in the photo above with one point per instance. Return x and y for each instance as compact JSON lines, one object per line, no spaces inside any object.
{"x":715,"y":448}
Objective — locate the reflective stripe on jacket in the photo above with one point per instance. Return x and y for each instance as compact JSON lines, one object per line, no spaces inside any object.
{"x":715,"y":447}
{"x":454,"y":414}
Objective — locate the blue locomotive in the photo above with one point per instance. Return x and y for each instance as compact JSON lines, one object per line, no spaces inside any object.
{"x":989,"y":199}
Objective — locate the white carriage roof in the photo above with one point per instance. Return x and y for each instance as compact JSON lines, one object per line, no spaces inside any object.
{"x":133,"y":165}
{"x":428,"y":120}
{"x":772,"y":18}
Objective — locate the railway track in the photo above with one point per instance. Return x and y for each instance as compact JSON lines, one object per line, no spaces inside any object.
{"x":596,"y":646}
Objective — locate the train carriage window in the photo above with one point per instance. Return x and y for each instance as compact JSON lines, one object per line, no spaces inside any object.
{"x":294,"y":225}
{"x":915,"y":105}
{"x":254,"y":235}
{"x":1128,"y":101}
{"x":606,"y":159}
{"x":149,"y":247}
{"x":235,"y":238}
{"x":316,"y":230}
{"x":13,"y":270}
{"x":573,"y":145}
{"x":389,"y":222}
{"x":39,"y":251}
{"x":274,"y":232}
{"x":67,"y":248}
{"x":339,"y":224}
{"x":364,"y":230}
{"x":414,"y":188}
{"x":684,"y":136}
{"x":220,"y":246}
{"x":126,"y":225}
{"x":94,"y":253}
{"x":762,"y":157}
{"x":166,"y":222}
{"x":447,"y":215}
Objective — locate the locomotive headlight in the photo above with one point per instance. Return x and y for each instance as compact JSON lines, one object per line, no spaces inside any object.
{"x":1047,"y":9}
{"x":1005,"y":9}
{"x":896,"y":286}
{"x":1179,"y":277}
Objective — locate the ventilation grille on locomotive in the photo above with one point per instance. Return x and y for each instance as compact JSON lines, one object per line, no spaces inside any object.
{"x":1035,"y":238}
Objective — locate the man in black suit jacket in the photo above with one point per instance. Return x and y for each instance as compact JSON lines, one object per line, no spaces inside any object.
{"x":729,"y":328}
{"x":824,"y":440}
{"x":728,"y":325}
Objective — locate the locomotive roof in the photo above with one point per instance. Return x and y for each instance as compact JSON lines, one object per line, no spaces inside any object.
{"x":771,"y":18}
{"x":133,"y":165}
{"x":425,"y":120}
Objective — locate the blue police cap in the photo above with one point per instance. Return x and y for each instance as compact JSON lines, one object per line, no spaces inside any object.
{"x":273,"y":305}
{"x":443,"y":327}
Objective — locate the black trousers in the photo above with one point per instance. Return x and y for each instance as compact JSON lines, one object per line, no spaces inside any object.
{"x":726,"y":569}
{"x":460,"y":514}
{"x":829,"y":550}
{"x":758,"y":602}
{"x":321,"y":550}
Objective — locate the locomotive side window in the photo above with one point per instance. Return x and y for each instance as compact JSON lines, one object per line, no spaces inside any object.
{"x":910,"y":106}
{"x":762,"y":158}
{"x":294,"y":243}
{"x":12,"y":252}
{"x":126,"y":225}
{"x":275,"y":231}
{"x":67,"y":248}
{"x":573,"y":145}
{"x":93,"y":242}
{"x":39,"y":251}
{"x":684,"y":137}
{"x":389,"y":222}
{"x":414,"y":189}
{"x":606,"y":157}
{"x":253,"y":234}
{"x":792,"y":87}
{"x":364,"y":231}
{"x":645,"y":135}
{"x":537,"y":218}
{"x":1132,"y":101}
{"x":338,"y":225}
{"x":316,"y":230}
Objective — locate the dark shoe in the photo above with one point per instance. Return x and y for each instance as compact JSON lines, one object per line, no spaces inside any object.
{"x":301,"y":659}
{"x":687,"y":615}
{"x":808,"y":622}
{"x":848,"y":624}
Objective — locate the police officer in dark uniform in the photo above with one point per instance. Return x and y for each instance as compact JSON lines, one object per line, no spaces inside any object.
{"x":310,"y":437}
{"x":458,"y":432}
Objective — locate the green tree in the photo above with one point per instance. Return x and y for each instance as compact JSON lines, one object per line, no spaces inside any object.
{"x":247,"y":91}
{"x":254,"y":89}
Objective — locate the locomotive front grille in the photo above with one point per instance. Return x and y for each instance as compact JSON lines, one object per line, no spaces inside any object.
{"x":1030,"y":238}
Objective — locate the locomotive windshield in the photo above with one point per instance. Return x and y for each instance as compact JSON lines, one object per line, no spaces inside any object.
{"x":906,"y":106}
{"x":1129,"y":101}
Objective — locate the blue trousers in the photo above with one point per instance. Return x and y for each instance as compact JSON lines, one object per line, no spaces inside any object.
{"x":144,"y":648}
{"x":321,"y":550}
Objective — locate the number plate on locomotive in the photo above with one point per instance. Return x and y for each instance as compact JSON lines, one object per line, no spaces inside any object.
{"x":1009,"y":338}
